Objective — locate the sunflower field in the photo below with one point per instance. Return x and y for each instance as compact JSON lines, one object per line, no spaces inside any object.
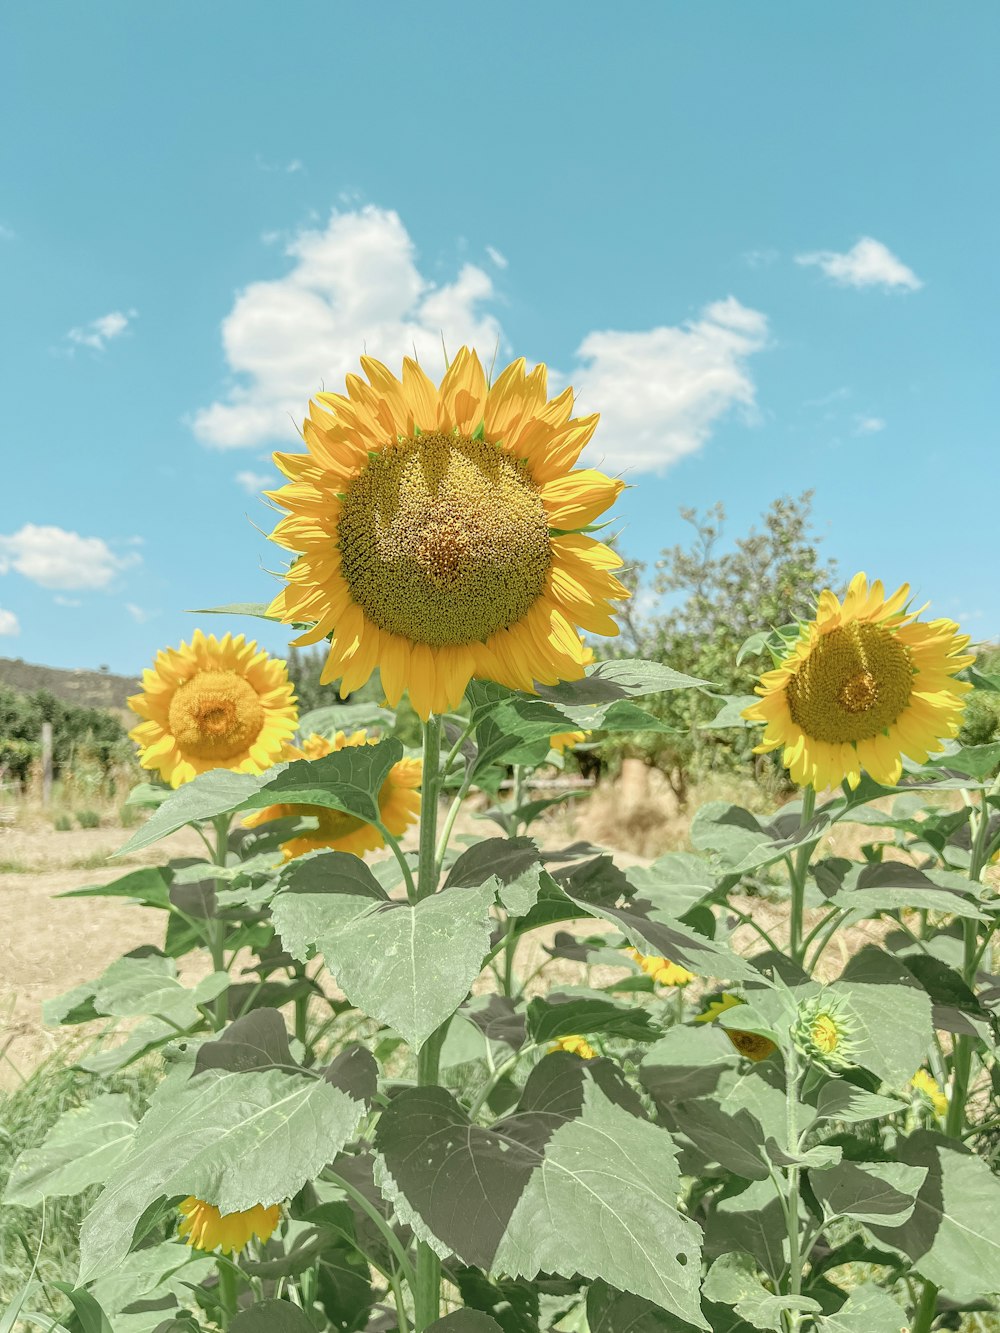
{"x":374,"y":1113}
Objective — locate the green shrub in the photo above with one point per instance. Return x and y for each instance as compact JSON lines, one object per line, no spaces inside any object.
{"x":88,"y":819}
{"x":62,"y":823}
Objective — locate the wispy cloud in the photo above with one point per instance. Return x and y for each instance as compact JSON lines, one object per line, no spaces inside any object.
{"x":7,"y":233}
{"x":99,"y":332}
{"x":869,"y":263}
{"x":252,"y":482}
{"x":9,"y":623}
{"x":289,"y":168}
{"x":55,"y":558}
{"x":661,"y":391}
{"x":500,"y":260}
{"x":761,"y":258}
{"x":138,"y":614}
{"x":864,"y":425}
{"x":60,"y":600}
{"x":355,"y":286}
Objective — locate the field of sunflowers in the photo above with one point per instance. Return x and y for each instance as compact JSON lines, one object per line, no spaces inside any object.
{"x":361,"y":1119}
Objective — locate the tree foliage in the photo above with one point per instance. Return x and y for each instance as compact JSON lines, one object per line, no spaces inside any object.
{"x":21,"y":718}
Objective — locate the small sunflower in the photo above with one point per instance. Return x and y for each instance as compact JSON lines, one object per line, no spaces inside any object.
{"x":865,"y":683}
{"x":441,"y":533}
{"x":399,"y":802}
{"x":567,"y":740}
{"x":576,"y":1046}
{"x":220,"y":703}
{"x":662,"y":970}
{"x":205,"y":1228}
{"x":930,"y":1089}
{"x":825,"y":1030}
{"x":751,"y":1044}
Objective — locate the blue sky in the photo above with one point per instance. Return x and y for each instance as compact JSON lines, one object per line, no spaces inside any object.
{"x":760,"y":239}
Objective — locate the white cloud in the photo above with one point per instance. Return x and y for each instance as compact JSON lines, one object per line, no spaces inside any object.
{"x":867,"y":264}
{"x":660,"y":392}
{"x":254,"y":481}
{"x":496,"y":257}
{"x":137,"y":613}
{"x":9,"y":623}
{"x":55,"y":558}
{"x":354,"y":286}
{"x":868,"y":425}
{"x":66,"y":601}
{"x":761,"y":258}
{"x":99,"y":332}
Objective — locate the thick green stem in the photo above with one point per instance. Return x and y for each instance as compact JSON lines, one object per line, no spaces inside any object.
{"x":799,"y":870}
{"x":793,"y":1183}
{"x":427,"y":1287}
{"x":227,"y":1291}
{"x":216,"y":928}
{"x":924,"y":1315}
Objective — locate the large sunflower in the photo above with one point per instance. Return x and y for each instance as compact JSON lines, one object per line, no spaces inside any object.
{"x":218,"y":704}
{"x":865,"y":683}
{"x":399,"y":803}
{"x":440,"y":533}
{"x":205,"y":1228}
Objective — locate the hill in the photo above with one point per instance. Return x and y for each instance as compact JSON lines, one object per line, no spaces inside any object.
{"x":87,"y":689}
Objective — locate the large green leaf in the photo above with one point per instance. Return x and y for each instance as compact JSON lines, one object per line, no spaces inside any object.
{"x":346,"y":717}
{"x":234,"y":1140}
{"x":89,"y":1315}
{"x":465,"y":1321}
{"x":675,"y":881}
{"x":733,"y":1280}
{"x":348,"y":780}
{"x":889,"y":886}
{"x":601,"y":889}
{"x":688,"y":1062}
{"x":870,"y":1191}
{"x":149,"y":985}
{"x":743,"y":842}
{"x":149,"y":885}
{"x":953,"y":1238}
{"x":607,"y":682}
{"x":563,"y":1014}
{"x":256,"y":609}
{"x":511,"y":866}
{"x":208,"y":795}
{"x":891,"y":1013}
{"x":150,"y":1277}
{"x":611,"y":1311}
{"x":840,"y":1100}
{"x":82,"y":1148}
{"x":868,"y":1309}
{"x":409,"y":966}
{"x":571,"y":1183}
{"x":272,"y":1317}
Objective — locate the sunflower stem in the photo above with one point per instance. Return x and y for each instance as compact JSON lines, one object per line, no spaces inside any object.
{"x":793,"y":1317}
{"x":799,"y":870}
{"x":227,"y":1290}
{"x":430,"y":784}
{"x":216,"y":928}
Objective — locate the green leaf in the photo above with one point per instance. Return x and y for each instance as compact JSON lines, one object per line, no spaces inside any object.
{"x":348,"y":780}
{"x":623,"y":678}
{"x":952,"y":1238}
{"x":892,"y":1015}
{"x":234,"y":1140}
{"x":611,"y":1311}
{"x":208,"y":795}
{"x":272,"y":1317}
{"x":567,"y":1014}
{"x":889,"y":886}
{"x":149,"y":986}
{"x":883,"y":1192}
{"x":571,"y":1183}
{"x":144,"y":1037}
{"x":978,"y":761}
{"x":148,"y":1276}
{"x":346,"y":717}
{"x":675,"y":881}
{"x":510,"y":866}
{"x":603,"y":890}
{"x":840,"y":1100}
{"x":81,"y":1149}
{"x":868,"y":1309}
{"x":256,"y":609}
{"x":465,"y":1321}
{"x":733,"y":1280}
{"x":688,"y":1062}
{"x":148,"y":885}
{"x":258,"y":1040}
{"x":92,"y":1318}
{"x":513,"y":1304}
{"x":731,"y":712}
{"x":743,"y":842}
{"x":409,"y":966}
{"x":317,"y":894}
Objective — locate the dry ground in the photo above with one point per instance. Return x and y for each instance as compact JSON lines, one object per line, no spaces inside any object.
{"x":49,"y":944}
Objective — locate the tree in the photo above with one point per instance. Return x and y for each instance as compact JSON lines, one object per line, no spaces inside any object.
{"x":705,"y":602}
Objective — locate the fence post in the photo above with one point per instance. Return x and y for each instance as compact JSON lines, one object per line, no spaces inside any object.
{"x":46,"y":764}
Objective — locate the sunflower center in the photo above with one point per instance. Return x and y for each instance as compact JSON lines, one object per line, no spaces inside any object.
{"x":216,"y":715}
{"x":853,"y":685}
{"x":825,"y":1034}
{"x":444,"y":540}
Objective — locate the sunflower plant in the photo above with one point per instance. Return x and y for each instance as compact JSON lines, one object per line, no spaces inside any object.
{"x":379,"y":1110}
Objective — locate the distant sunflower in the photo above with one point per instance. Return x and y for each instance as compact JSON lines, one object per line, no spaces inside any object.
{"x":567,"y":740}
{"x":865,"y":683}
{"x":399,"y":803}
{"x":662,"y":970}
{"x":216,"y":704}
{"x":928,"y":1087}
{"x":441,"y":535}
{"x":576,"y":1046}
{"x":205,"y":1228}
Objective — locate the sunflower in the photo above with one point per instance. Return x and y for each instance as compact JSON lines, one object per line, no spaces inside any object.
{"x":576,"y":1046}
{"x":865,"y":683}
{"x":753,"y":1045}
{"x":218,"y":704}
{"x":928,"y":1087}
{"x":567,"y":740}
{"x":207,"y":1229}
{"x":399,"y":802}
{"x":440,"y":533}
{"x":662,"y":970}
